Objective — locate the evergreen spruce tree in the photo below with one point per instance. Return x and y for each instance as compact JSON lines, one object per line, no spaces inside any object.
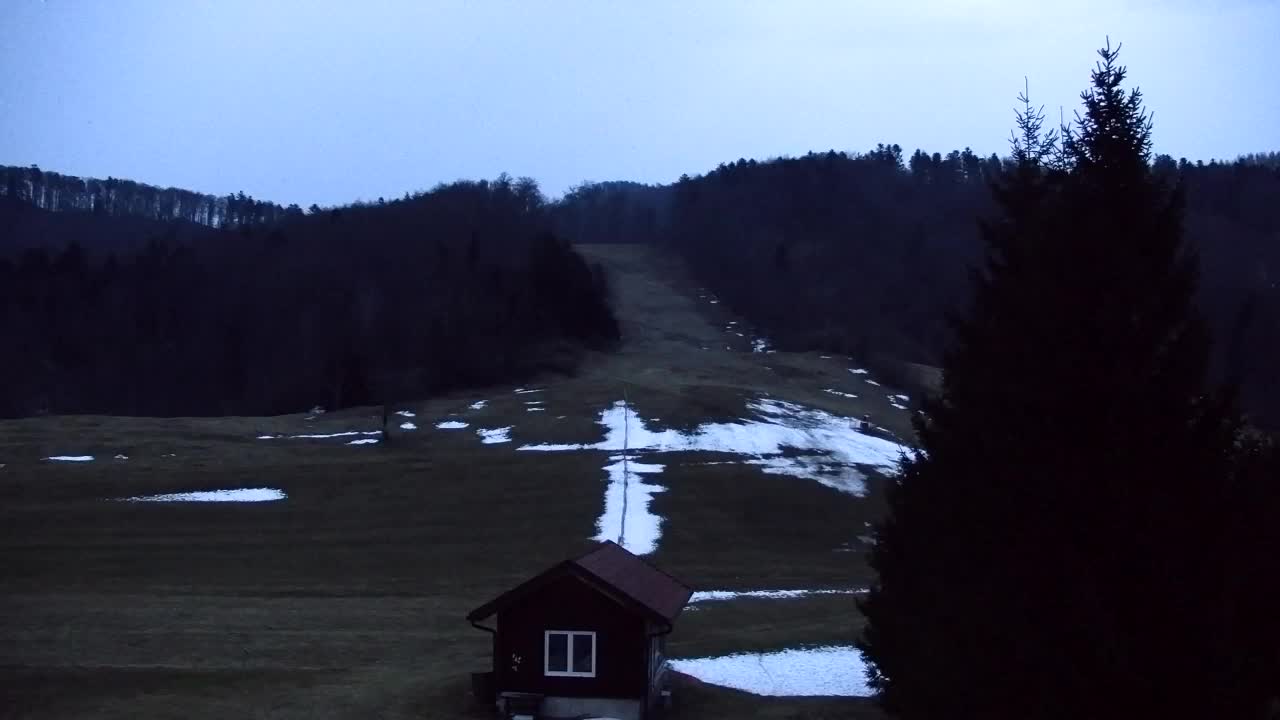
{"x":1071,"y":540}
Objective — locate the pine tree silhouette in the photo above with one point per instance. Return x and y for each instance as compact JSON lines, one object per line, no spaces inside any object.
{"x":1068,"y":543}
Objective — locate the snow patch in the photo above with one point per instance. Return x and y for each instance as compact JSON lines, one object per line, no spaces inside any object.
{"x":408,"y":426}
{"x":535,"y":409}
{"x":627,"y":519}
{"x":869,"y":381}
{"x":122,"y":456}
{"x":859,"y":371}
{"x":70,"y":458}
{"x":523,"y":391}
{"x":364,"y":441}
{"x":318,"y":436}
{"x":451,"y":425}
{"x":900,"y":398}
{"x":239,"y":495}
{"x":719,"y":595}
{"x":833,"y":391}
{"x":494,"y":435}
{"x":836,"y":446}
{"x":822,"y":671}
{"x":478,"y":405}
{"x":404,"y":413}
{"x":759,"y":345}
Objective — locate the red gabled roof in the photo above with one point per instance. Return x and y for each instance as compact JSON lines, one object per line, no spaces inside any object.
{"x":617,"y":569}
{"x":637,"y":579}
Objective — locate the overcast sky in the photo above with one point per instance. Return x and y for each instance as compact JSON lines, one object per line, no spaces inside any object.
{"x":328,"y":102}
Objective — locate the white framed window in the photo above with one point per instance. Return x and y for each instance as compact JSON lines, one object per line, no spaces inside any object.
{"x":569,"y":653}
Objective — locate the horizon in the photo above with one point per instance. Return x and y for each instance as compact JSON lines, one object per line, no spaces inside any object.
{"x":229,"y":98}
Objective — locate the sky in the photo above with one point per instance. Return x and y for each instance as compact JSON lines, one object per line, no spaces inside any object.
{"x":328,"y":102}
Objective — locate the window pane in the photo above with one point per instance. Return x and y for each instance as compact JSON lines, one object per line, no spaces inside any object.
{"x":557,"y":652}
{"x":582,"y":651}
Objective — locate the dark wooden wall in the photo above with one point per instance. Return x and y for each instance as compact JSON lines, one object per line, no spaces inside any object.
{"x":568,"y":603}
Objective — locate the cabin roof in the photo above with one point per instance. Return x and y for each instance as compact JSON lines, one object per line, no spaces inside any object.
{"x":613,"y":566}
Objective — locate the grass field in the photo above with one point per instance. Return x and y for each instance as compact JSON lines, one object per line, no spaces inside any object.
{"x":346,"y":600}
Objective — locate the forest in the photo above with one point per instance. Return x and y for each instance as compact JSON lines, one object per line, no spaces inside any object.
{"x":121,"y":298}
{"x":868,"y":253}
{"x":120,"y":295}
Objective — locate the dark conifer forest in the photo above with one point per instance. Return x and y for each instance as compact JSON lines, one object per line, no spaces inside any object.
{"x":120,"y":298}
{"x":120,"y":295}
{"x":865,"y":253}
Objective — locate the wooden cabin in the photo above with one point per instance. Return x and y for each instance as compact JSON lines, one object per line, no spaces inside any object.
{"x":584,"y":638}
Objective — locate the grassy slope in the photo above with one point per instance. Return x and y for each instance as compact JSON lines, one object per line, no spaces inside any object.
{"x":347,"y":599}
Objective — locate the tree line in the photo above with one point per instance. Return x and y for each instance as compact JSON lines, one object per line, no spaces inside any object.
{"x":462,"y":285}
{"x":864,"y":253}
{"x":117,"y":197}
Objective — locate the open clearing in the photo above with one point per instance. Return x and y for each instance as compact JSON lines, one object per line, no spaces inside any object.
{"x":344,"y":596}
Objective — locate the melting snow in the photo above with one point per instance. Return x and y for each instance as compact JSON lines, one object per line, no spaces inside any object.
{"x":70,"y":458}
{"x":837,"y":392}
{"x":408,"y":426}
{"x":836,"y":440}
{"x":717,"y":595}
{"x":240,"y":495}
{"x":495,"y":435}
{"x":364,"y":441}
{"x":627,"y":519}
{"x":478,"y":405}
{"x":314,"y":436}
{"x":451,"y":425}
{"x":405,"y":413}
{"x":823,"y":671}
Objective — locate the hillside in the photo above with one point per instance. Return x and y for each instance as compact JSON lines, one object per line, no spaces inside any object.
{"x":346,"y":598}
{"x":866,"y":253}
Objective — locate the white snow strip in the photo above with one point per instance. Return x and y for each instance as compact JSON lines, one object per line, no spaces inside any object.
{"x":534,"y":402}
{"x":535,"y":409}
{"x":902,"y":398}
{"x":122,"y":457}
{"x":324,"y":436}
{"x":759,"y":345}
{"x":494,"y":435}
{"x":523,"y":391}
{"x":715,"y":302}
{"x":364,"y":441}
{"x":408,"y":426}
{"x":627,"y":519}
{"x":70,"y":458}
{"x":240,"y":495}
{"x":739,"y":334}
{"x":859,"y":371}
{"x":405,"y":413}
{"x":822,"y":671}
{"x":871,"y":382}
{"x":900,"y":407}
{"x":718,"y":595}
{"x":825,"y":357}
{"x":833,"y":391}
{"x":451,"y":425}
{"x":478,"y":405}
{"x":815,"y":467}
{"x":836,"y":446}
